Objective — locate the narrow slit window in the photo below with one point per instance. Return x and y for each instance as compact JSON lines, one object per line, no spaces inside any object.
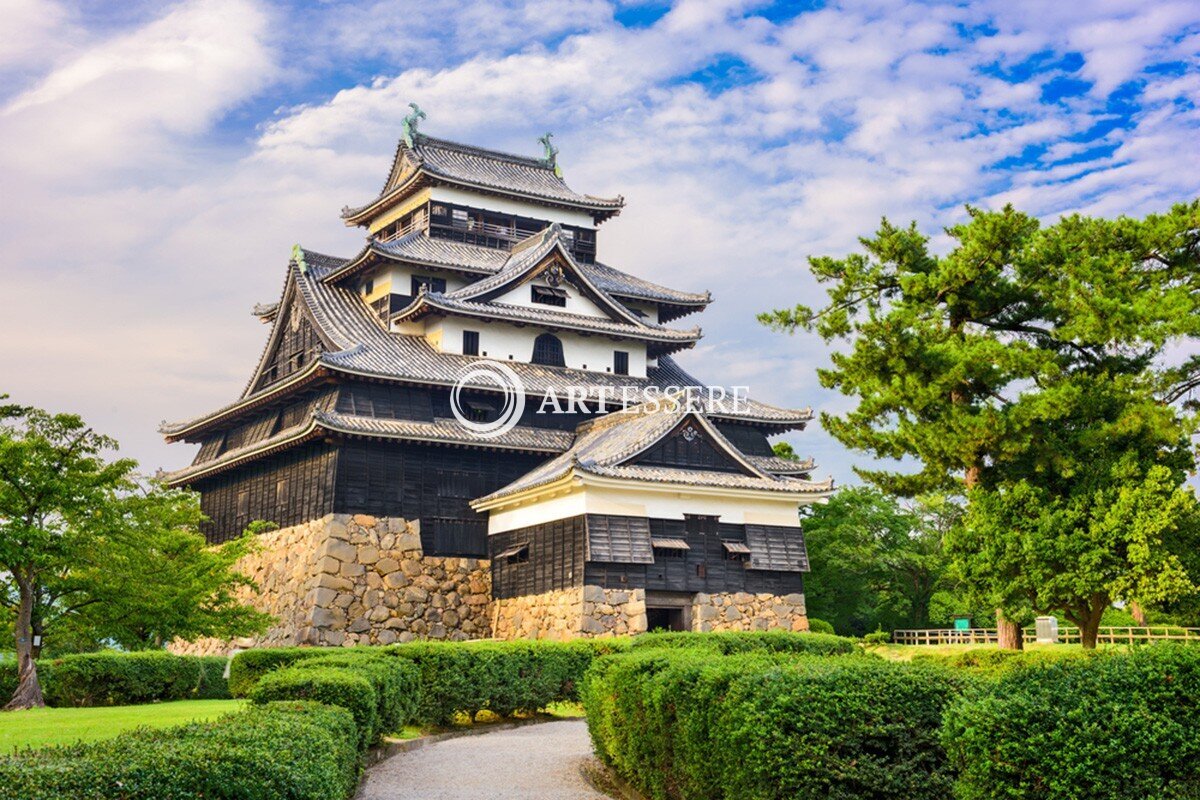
{"x":470,"y":343}
{"x":620,"y":362}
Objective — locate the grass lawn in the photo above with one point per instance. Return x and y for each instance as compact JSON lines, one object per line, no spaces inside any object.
{"x":905,"y":652}
{"x":47,"y":726}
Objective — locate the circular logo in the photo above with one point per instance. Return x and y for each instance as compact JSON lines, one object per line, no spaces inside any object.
{"x":512,"y":391}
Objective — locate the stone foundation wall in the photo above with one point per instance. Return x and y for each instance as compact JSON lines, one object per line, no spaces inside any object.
{"x":344,"y":580}
{"x":590,"y":611}
{"x":742,"y":611}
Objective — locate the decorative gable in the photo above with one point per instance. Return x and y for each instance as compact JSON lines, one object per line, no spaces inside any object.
{"x":689,"y":446}
{"x":293,"y":345}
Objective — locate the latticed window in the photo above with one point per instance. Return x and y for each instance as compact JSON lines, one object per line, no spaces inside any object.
{"x":470,"y":343}
{"x":548,"y":350}
{"x":620,"y":362}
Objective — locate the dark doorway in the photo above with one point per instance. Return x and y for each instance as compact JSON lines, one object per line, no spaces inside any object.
{"x":664,"y":619}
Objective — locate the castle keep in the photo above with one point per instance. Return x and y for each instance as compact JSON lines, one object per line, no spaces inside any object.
{"x":383,"y":431}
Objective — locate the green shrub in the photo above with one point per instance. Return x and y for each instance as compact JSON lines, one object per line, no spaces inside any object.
{"x":1105,"y":728}
{"x":351,"y":688}
{"x":502,"y":677}
{"x":692,"y":723}
{"x":396,"y":682}
{"x":877,"y":637}
{"x":282,"y":751}
{"x":213,"y":685}
{"x":729,"y":642}
{"x":8,"y":678}
{"x":820,"y":626}
{"x":116,"y":679}
{"x":250,"y":665}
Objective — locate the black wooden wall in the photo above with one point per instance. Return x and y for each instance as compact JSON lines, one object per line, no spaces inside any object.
{"x":432,"y":483}
{"x":292,"y":487}
{"x":554,"y":559}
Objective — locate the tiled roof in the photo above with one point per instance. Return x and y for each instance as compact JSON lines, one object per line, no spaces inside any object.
{"x":439,"y":431}
{"x":782,"y":466}
{"x":362,"y":346}
{"x":605,"y":445}
{"x":418,"y":248}
{"x":480,"y":168}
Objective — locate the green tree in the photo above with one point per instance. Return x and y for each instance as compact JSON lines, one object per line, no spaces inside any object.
{"x":953,"y":359}
{"x":1103,"y":513}
{"x":875,"y":564}
{"x":78,"y":534}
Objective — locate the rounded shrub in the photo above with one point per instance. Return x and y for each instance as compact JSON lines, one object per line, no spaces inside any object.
{"x":396,"y":683}
{"x":1111,"y":727}
{"x":250,"y":665}
{"x":336,"y":686}
{"x":820,"y":626}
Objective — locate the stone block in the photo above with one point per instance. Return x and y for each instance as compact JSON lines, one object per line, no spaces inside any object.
{"x":593,"y":594}
{"x":341,"y":550}
{"x":385,"y":566}
{"x":328,"y":564}
{"x":368,"y":555}
{"x":395,"y":580}
{"x":415,"y":594}
{"x":335,"y":582}
{"x":350,"y":570}
{"x":365,"y":520}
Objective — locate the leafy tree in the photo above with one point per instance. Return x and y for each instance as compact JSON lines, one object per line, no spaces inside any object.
{"x":956,"y":360}
{"x":1108,"y":518}
{"x":78,"y":535}
{"x":876,"y":564}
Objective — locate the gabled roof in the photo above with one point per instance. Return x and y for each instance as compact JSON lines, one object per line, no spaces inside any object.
{"x":609,"y":446}
{"x":492,"y":171}
{"x":359,"y":344}
{"x":419,"y":249}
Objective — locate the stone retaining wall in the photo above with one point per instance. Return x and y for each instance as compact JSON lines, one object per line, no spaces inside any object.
{"x":590,"y":611}
{"x":742,"y":611}
{"x":344,"y":580}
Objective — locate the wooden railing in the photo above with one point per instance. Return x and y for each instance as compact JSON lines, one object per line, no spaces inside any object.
{"x":1066,"y":635}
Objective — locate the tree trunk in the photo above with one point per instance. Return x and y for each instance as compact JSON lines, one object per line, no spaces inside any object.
{"x":29,"y":691}
{"x":1008,"y":633}
{"x":1139,"y":613}
{"x":1089,"y":624}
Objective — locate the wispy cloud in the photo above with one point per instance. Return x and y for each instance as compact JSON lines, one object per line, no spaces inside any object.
{"x":164,"y":169}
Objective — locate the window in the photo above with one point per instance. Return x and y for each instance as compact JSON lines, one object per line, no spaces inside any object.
{"x":517,"y":554}
{"x":281,"y":492}
{"x":243,"y":503}
{"x":620,"y":362}
{"x":430,"y":284}
{"x":470,"y":343}
{"x":548,"y":351}
{"x":368,"y":287}
{"x":479,"y":410}
{"x":549,"y":296}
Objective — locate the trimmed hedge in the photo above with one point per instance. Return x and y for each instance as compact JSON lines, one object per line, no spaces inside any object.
{"x":820,"y":626}
{"x":250,"y":665}
{"x":119,"y":679}
{"x":730,"y":642}
{"x":111,"y":678}
{"x":281,"y":751}
{"x":692,"y":723}
{"x":458,"y":677}
{"x":379,"y":692}
{"x":1113,"y":727}
{"x":505,"y":678}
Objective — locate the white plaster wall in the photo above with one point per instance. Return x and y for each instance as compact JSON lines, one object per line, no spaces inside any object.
{"x":503,"y":205}
{"x":397,"y":279}
{"x":499,"y":340}
{"x":577,"y":301}
{"x":647,"y":500}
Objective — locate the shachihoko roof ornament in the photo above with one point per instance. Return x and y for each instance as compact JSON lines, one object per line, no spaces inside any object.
{"x":409,"y":128}
{"x":551,"y":156}
{"x":298,"y":258}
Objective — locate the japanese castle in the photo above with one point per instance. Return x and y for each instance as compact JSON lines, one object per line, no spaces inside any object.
{"x":396,"y":520}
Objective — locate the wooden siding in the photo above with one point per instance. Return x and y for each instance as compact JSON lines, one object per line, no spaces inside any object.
{"x":555,"y":558}
{"x":434,"y":484}
{"x":303,"y":476}
{"x":297,"y":347}
{"x":697,"y":452}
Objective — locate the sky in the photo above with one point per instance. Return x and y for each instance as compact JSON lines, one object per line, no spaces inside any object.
{"x":159,"y":160}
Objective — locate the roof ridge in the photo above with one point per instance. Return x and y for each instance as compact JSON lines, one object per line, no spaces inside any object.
{"x":485,"y":152}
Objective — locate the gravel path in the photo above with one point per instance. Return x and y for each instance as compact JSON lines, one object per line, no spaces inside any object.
{"x":533,"y":762}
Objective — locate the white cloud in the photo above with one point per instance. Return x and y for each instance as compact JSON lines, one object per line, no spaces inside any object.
{"x":851,"y":112}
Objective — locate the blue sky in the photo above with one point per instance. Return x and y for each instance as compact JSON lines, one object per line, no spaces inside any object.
{"x":159,"y":160}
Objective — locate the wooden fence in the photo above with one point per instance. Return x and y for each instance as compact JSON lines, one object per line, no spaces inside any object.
{"x":1066,"y":635}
